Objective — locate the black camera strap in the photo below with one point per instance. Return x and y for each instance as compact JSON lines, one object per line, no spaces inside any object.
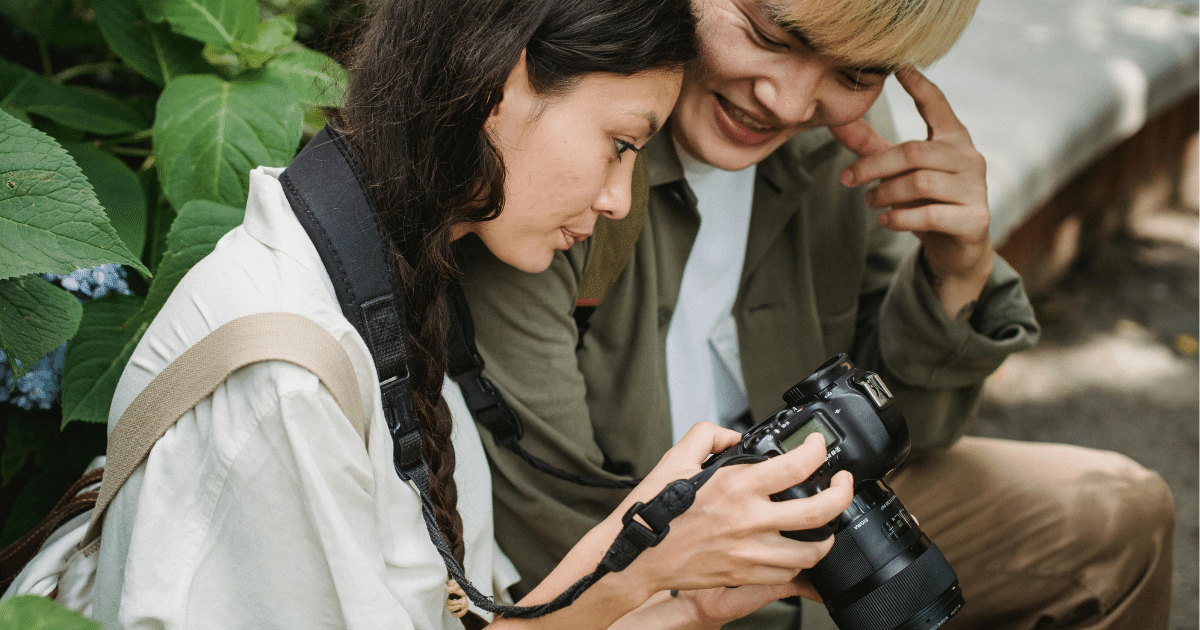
{"x":487,"y":404}
{"x":329,"y":192}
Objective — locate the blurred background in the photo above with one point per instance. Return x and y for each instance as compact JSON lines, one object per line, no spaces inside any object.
{"x":1086,"y":111}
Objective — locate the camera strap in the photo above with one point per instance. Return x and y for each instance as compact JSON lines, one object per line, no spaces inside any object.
{"x":329,"y":192}
{"x":487,"y":404}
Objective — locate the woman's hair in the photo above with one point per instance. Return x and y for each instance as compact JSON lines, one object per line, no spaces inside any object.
{"x":885,"y":33}
{"x":423,"y":77}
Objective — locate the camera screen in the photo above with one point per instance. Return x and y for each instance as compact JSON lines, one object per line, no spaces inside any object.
{"x":808,"y":428}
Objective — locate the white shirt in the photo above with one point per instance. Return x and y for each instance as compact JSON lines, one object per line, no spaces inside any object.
{"x":262,"y":507}
{"x":704,"y":373}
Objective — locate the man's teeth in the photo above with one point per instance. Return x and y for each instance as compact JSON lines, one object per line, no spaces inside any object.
{"x":740,"y":116}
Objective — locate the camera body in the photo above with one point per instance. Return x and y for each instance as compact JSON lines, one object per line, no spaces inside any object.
{"x":883,"y":572}
{"x":864,"y":430}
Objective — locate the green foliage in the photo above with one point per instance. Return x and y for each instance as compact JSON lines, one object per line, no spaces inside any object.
{"x":35,"y":318}
{"x":117,"y":189}
{"x":97,"y":356}
{"x":194,"y":234}
{"x":30,"y":612}
{"x":49,"y":208}
{"x":137,"y":155}
{"x":209,"y":133}
{"x":151,"y":49}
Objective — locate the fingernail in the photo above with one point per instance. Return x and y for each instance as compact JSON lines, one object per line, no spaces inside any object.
{"x":848,"y":178}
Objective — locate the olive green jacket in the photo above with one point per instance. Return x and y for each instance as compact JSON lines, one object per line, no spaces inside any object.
{"x":820,"y":277}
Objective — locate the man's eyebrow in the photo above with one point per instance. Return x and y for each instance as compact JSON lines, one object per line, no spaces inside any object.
{"x":775,"y":13}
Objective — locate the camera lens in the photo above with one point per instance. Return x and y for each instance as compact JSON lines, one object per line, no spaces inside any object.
{"x":883,"y":572}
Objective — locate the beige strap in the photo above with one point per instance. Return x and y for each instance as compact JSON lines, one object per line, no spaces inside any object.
{"x":613,"y":241}
{"x":198,"y":371}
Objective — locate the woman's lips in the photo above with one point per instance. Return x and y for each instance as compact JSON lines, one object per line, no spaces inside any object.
{"x":572,"y":237}
{"x":738,"y":131}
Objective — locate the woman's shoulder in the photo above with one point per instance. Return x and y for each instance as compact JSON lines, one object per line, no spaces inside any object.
{"x":265,"y":265}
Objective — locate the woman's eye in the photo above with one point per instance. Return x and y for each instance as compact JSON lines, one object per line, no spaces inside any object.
{"x":623,"y":146}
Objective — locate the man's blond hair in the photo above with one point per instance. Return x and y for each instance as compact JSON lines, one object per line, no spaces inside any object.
{"x":887,"y":33}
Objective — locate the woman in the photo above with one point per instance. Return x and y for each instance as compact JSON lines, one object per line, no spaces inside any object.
{"x":515,"y":120}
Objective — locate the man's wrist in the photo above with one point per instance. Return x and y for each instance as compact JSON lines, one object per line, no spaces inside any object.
{"x":959,"y":295}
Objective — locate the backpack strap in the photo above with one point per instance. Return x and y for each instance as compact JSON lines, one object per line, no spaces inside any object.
{"x":612,"y":247}
{"x":330,"y":194}
{"x":200,"y":369}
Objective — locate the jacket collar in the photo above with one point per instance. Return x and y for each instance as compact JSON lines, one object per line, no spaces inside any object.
{"x":778,"y":180}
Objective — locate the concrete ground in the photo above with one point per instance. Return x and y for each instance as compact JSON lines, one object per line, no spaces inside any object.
{"x":1117,"y":364}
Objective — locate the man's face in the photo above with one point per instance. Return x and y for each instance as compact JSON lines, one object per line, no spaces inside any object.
{"x":760,"y":84}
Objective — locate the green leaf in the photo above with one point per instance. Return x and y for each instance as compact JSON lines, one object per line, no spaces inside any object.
{"x":315,"y":78}
{"x":153,"y":9}
{"x":97,"y":356}
{"x":193,"y":236}
{"x":26,"y":433}
{"x":48,"y":211}
{"x":35,"y":318}
{"x":57,"y":462}
{"x":117,"y":189}
{"x":216,"y":22}
{"x":209,"y":134}
{"x":273,"y":35}
{"x":158,"y":219}
{"x":36,"y":17}
{"x":152,"y":49}
{"x":80,"y":108}
{"x":31,"y":612}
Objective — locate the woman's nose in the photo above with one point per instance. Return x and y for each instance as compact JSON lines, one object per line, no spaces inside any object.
{"x":616,"y":195}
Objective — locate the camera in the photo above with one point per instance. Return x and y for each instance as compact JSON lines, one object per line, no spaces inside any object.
{"x":883,"y":572}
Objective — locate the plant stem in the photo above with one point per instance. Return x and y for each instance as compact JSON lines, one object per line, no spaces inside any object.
{"x":86,"y":68}
{"x":120,"y":150}
{"x":44,"y":54}
{"x":135,"y":137}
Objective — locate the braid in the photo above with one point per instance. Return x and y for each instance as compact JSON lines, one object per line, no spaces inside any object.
{"x":429,"y":321}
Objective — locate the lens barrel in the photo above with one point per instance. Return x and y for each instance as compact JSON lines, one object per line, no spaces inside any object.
{"x":883,"y":572}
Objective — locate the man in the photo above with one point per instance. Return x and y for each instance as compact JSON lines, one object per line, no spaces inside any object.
{"x":759,"y":259}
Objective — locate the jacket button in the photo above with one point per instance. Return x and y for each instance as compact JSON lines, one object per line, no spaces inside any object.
{"x":664,"y":316}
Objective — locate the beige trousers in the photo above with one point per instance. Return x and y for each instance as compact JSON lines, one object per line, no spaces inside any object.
{"x":1043,"y":535}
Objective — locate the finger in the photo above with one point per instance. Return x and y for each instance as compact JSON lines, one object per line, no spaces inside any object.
{"x":706,"y":438}
{"x":932,"y":105}
{"x":903,"y":158}
{"x":963,"y":221}
{"x":924,"y":187}
{"x":817,"y":510}
{"x":805,"y":589}
{"x":860,"y":138}
{"x":786,"y":470}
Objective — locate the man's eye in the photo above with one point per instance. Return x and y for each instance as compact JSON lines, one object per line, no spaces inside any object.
{"x":762,"y":37}
{"x":855,"y":80}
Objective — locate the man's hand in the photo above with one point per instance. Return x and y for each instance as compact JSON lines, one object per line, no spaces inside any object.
{"x":934,"y":188}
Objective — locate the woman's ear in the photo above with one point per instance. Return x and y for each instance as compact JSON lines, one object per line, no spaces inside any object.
{"x":516,"y":87}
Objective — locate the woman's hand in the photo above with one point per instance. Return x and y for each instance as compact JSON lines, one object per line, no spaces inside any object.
{"x":730,"y":536}
{"x":934,"y":188}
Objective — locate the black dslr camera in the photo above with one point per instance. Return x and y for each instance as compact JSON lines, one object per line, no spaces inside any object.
{"x":883,"y":572}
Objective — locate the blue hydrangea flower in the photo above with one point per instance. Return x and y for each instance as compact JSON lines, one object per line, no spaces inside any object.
{"x":42,"y":385}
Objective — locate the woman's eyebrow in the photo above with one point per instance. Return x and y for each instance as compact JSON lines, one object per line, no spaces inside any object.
{"x":652,"y":121}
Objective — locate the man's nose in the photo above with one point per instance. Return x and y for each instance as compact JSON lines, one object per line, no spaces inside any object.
{"x":790,"y":90}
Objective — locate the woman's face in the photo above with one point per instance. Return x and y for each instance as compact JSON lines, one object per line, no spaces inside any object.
{"x":759,"y":85}
{"x":569,"y":158}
